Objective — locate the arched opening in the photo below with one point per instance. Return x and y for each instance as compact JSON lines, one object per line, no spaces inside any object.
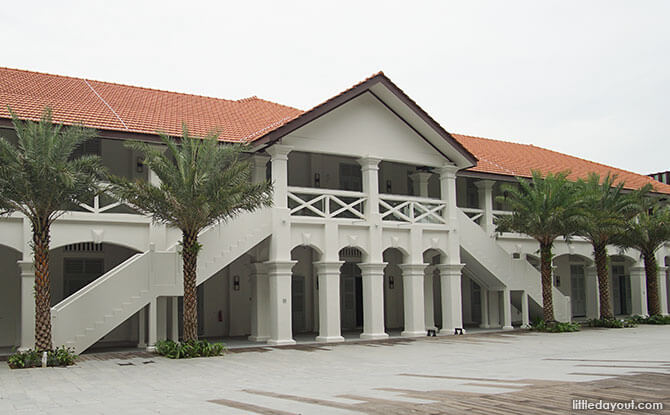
{"x":304,"y":292}
{"x":74,"y":266}
{"x":351,"y":292}
{"x":394,"y":315}
{"x":10,"y":298}
{"x":620,"y":283}
{"x":570,"y":279}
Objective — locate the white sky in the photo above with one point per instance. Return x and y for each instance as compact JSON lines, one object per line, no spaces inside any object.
{"x":588,"y":78}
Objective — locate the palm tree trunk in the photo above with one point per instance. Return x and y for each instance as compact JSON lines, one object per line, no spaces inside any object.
{"x":651,"y":271}
{"x":600,"y":254}
{"x":190,"y":256}
{"x":545,"y":270}
{"x":42,"y":285}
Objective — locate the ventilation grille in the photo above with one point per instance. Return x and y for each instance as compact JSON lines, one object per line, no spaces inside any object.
{"x":84,"y":247}
{"x":350,"y":253}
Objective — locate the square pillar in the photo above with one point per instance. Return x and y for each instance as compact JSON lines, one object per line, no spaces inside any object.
{"x":27,"y":339}
{"x":281,"y":313}
{"x":428,"y":298}
{"x":592,"y":292}
{"x":142,"y":328}
{"x":450,"y":214}
{"x":260,"y":300}
{"x":494,"y":309}
{"x":452,"y":308}
{"x":638,"y":291}
{"x":174,"y":318}
{"x":329,"y":301}
{"x":412,"y":282}
{"x":152,"y":325}
{"x":662,"y":289}
{"x":372,"y":275}
{"x":161,"y":318}
{"x":420,"y":179}
{"x":485,"y":192}
{"x":525,"y":314}
{"x":484,"y":294}
{"x":507,"y":310}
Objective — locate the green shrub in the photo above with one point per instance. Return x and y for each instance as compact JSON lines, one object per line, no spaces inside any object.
{"x":62,"y":356}
{"x":611,"y":323}
{"x":199,"y":348}
{"x":554,"y":327}
{"x":655,"y":319}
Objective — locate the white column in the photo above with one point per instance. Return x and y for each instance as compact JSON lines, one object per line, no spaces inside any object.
{"x":260,"y":299}
{"x":152,"y":322}
{"x":420,"y":179}
{"x":662,"y":289}
{"x":279,"y":278}
{"x":329,"y":301}
{"x":507,"y":310}
{"x":494,"y":309}
{"x":161,"y":318}
{"x":592,"y":292}
{"x":280,"y":241}
{"x":525,"y":314}
{"x":484,"y":293}
{"x":27,"y":338}
{"x":259,"y":167}
{"x":638,"y":291}
{"x":174,"y":318}
{"x":452,"y":308}
{"x":448,"y":194}
{"x":412,"y":282}
{"x":485,"y":190}
{"x":373,"y":300}
{"x":428,"y":298}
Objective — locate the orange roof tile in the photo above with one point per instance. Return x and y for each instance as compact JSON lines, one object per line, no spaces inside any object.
{"x":513,"y":159}
{"x":109,"y":106}
{"x":118,"y":107}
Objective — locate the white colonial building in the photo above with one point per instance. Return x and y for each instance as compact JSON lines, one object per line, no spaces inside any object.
{"x":382,"y":223}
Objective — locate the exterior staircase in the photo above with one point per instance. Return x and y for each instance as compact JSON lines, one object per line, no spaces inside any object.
{"x":514,"y":274}
{"x":92,"y":312}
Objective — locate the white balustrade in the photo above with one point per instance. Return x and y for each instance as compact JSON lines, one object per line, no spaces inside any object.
{"x":412,"y":209}
{"x":326,"y":203}
{"x":104,"y":203}
{"x":474,"y":214}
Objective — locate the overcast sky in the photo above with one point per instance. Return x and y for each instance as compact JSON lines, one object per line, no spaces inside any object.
{"x":587,"y":78}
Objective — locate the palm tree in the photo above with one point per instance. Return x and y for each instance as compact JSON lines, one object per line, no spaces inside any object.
{"x":606,"y":208}
{"x":647,"y":232}
{"x":543,"y":208}
{"x":202,"y":183}
{"x":40,"y":179}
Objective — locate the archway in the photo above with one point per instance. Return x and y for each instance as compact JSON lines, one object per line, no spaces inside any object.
{"x":10,"y":297}
{"x":394,"y":309}
{"x":620,"y":282}
{"x":570,"y":277}
{"x":304,"y":291}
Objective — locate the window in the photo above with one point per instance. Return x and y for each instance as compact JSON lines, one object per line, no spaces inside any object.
{"x":350,"y":177}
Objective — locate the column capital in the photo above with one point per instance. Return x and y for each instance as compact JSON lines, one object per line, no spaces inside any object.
{"x":369,"y":163}
{"x":256,"y":268}
{"x":275,"y":268}
{"x":326,"y":268}
{"x":372,"y":267}
{"x":260,"y":159}
{"x":448,"y":171}
{"x":27,"y":268}
{"x":450,"y":269}
{"x":279,"y":151}
{"x":662,"y":268}
{"x":419,"y":176}
{"x":636,"y":269}
{"x":412,"y":269}
{"x":485,"y":184}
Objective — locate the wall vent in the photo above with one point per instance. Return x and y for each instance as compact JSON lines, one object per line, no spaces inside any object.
{"x":84,"y":247}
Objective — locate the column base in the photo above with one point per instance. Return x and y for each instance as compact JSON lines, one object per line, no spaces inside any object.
{"x":374,"y":336}
{"x":413,"y":333}
{"x":258,"y":338}
{"x":151,"y":349}
{"x":329,"y":339}
{"x":286,"y":342}
{"x":484,"y":326}
{"x":508,"y":328}
{"x":525,"y":326}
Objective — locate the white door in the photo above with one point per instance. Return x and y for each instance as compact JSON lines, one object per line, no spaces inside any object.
{"x":578,"y":291}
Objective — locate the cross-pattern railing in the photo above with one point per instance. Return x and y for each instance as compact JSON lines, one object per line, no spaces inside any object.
{"x":412,"y":209}
{"x":474,"y":214}
{"x":104,"y":203}
{"x":326,"y":203}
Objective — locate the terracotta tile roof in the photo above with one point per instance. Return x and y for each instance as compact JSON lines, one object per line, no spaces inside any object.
{"x":513,"y":159}
{"x":109,"y":106}
{"x":117,"y":107}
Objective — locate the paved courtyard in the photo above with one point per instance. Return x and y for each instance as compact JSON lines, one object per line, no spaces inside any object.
{"x":505,"y":372}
